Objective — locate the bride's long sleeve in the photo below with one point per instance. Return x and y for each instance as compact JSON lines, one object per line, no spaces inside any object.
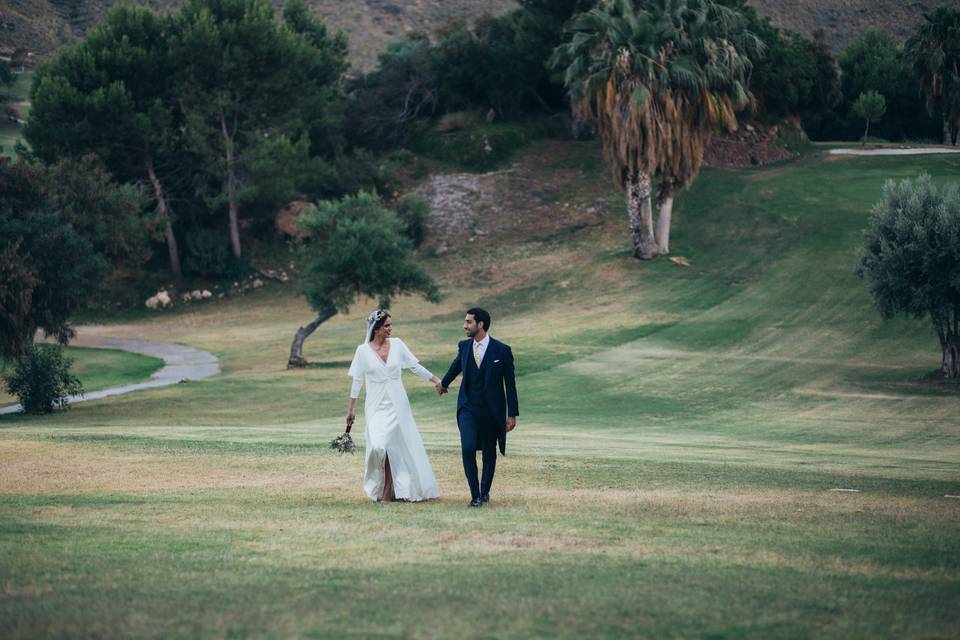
{"x":409,"y":361}
{"x":356,"y":372}
{"x":355,"y":388}
{"x":421,"y":372}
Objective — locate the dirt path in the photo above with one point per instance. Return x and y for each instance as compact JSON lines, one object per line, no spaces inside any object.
{"x":182,"y":363}
{"x":893,"y":152}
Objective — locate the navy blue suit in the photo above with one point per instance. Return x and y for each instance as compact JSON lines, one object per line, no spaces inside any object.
{"x":488,"y":395}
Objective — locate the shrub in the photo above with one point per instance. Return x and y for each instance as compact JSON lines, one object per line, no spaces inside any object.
{"x":413,"y":212}
{"x":208,"y":254}
{"x":42,"y":380}
{"x":479,"y":149}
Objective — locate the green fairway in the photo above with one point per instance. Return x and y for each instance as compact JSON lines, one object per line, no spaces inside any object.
{"x":102,"y":368}
{"x":739,"y":448}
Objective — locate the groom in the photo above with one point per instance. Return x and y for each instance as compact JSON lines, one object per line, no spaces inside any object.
{"x":487,"y":404}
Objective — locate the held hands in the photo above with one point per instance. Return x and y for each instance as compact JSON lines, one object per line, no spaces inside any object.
{"x":438,"y":385}
{"x":511,"y":423}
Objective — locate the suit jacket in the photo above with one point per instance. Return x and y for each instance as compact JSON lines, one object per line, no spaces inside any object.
{"x":500,"y":385}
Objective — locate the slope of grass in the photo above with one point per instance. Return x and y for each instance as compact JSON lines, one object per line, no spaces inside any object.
{"x":17,"y":96}
{"x":683,"y":435}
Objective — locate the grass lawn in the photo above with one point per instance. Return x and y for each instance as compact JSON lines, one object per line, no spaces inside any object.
{"x":102,"y":368}
{"x":675,"y":471}
{"x":11,"y":132}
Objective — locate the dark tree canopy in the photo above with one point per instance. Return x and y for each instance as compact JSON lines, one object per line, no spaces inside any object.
{"x":7,"y":77}
{"x":108,"y":214}
{"x":877,"y":61}
{"x":47,"y":269}
{"x":935,"y":55}
{"x":111,"y":95}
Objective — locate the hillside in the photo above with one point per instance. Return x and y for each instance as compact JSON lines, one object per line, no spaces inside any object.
{"x":841,"y":20}
{"x":42,"y":26}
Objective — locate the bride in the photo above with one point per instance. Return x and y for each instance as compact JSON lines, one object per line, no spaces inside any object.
{"x":396,"y":466}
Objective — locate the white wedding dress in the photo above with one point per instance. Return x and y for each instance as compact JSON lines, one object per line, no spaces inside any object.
{"x":390,"y":431}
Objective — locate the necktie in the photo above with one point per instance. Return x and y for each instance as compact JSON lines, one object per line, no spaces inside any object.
{"x":476,"y":353}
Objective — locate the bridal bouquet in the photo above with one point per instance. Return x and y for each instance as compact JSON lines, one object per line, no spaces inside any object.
{"x":344,"y":443}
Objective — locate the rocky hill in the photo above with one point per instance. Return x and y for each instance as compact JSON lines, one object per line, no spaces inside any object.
{"x":42,"y":26}
{"x":842,"y":20}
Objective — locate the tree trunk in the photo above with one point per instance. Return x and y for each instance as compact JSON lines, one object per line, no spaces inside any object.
{"x":296,"y":359}
{"x":165,"y":215}
{"x":664,"y":215}
{"x":231,"y":187}
{"x":947,"y":137}
{"x":640,"y":214}
{"x":866,"y":132}
{"x":951,"y":357}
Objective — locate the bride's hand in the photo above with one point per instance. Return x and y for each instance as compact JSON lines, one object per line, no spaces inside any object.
{"x":350,"y":419}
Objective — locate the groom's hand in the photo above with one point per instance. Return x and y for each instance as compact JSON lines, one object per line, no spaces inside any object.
{"x":440,"y":389}
{"x":511,"y":423}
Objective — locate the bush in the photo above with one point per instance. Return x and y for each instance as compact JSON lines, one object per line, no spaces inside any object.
{"x":413,"y":212}
{"x":42,"y":380}
{"x":480,"y":149}
{"x":208,"y":254}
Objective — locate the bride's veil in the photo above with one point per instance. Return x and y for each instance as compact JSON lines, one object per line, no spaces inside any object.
{"x":371,"y":321}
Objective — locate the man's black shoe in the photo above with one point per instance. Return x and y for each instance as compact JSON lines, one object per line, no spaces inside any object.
{"x":475,"y":503}
{"x":485,"y":498}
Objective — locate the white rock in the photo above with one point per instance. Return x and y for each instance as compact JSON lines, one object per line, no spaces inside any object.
{"x":206,"y":294}
{"x":196,"y":294}
{"x":164,"y":297}
{"x":185,"y":297}
{"x":152,"y":302}
{"x":257,"y":283}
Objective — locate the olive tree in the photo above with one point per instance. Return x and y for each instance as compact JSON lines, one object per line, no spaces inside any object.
{"x":353,"y":248}
{"x":911,"y":259}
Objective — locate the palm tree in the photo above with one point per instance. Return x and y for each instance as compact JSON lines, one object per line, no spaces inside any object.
{"x":610,"y":69}
{"x":935,"y":52}
{"x":658,"y":78}
{"x":708,"y":57}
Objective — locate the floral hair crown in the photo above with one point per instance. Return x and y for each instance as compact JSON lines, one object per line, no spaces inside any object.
{"x":376,"y":316}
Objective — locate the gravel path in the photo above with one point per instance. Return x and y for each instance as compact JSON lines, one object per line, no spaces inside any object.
{"x":182,"y":363}
{"x":892,"y":152}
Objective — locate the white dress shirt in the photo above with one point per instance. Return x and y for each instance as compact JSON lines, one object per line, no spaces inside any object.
{"x":480,"y":348}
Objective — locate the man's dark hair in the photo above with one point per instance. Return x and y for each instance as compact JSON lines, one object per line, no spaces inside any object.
{"x":480,"y":316}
